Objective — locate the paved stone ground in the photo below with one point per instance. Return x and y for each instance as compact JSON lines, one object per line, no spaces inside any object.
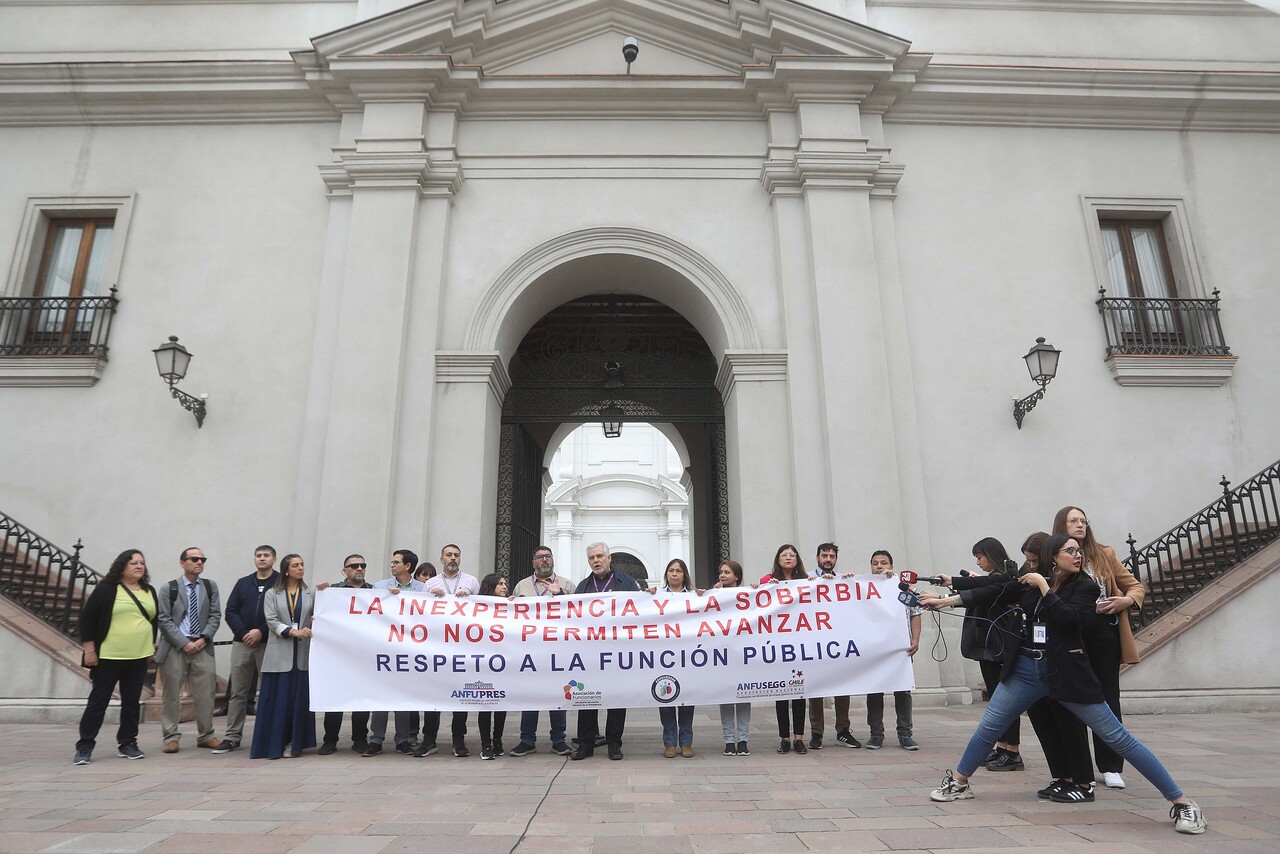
{"x":833,"y":800}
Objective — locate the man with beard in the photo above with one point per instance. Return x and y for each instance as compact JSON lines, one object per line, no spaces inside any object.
{"x":603,"y":579}
{"x":543,"y":582}
{"x":828,"y":554}
{"x":451,"y":581}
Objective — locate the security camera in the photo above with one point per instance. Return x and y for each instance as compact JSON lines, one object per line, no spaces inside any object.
{"x":630,"y":49}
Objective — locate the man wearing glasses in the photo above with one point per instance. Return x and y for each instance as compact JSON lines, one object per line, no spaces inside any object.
{"x":190,"y":613}
{"x":543,"y":582}
{"x":403,"y":564}
{"x":353,"y":568}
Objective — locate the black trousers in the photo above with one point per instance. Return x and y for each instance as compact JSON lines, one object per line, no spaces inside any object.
{"x":129,"y":674}
{"x":491,"y":725}
{"x":333,"y":727}
{"x":1064,"y":739}
{"x":431,"y":725}
{"x":1103,"y":649}
{"x":589,"y":727}
{"x":790,"y":718}
{"x":991,"y":676}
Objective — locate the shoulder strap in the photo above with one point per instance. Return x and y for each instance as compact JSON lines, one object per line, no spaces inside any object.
{"x":150,"y":618}
{"x":173,"y":593}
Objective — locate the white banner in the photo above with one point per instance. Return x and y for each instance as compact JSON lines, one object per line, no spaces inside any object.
{"x":414,"y":651}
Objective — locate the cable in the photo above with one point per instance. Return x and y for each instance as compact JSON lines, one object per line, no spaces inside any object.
{"x":534,"y":815}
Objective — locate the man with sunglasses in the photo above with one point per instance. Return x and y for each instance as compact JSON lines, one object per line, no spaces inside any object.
{"x":353,"y":568}
{"x":190,"y":614}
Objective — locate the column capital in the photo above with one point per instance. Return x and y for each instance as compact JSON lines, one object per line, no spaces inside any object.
{"x":457,"y":366}
{"x":391,"y":170}
{"x":868,"y":171}
{"x":749,"y":366}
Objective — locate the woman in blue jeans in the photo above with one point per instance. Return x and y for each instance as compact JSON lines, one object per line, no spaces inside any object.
{"x":677,"y":721}
{"x":1048,"y":660}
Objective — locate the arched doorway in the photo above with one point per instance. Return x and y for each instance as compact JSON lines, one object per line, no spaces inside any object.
{"x":618,"y":358}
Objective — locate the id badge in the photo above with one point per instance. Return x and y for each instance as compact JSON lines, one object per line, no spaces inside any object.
{"x":293,"y":627}
{"x":1039,"y":633}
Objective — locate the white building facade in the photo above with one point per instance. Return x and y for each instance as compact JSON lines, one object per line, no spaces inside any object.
{"x":355,"y":214}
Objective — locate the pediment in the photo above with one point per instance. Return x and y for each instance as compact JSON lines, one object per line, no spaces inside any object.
{"x":584,"y":37}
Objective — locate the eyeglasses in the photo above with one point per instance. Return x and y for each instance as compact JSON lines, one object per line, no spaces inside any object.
{"x":1073,"y":551}
{"x":1084,"y":522}
{"x":197,"y":559}
{"x":356,"y":566}
{"x":542,"y":557}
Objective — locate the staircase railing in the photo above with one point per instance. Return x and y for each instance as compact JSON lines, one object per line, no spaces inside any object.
{"x":1183,"y":560}
{"x":46,"y":580}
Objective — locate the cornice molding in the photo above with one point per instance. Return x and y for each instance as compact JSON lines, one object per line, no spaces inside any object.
{"x":1125,"y":7}
{"x":1111,"y":98}
{"x":50,"y":371}
{"x":130,"y":93}
{"x":741,"y":366}
{"x":842,"y":170}
{"x":459,"y":366}
{"x":1178,"y":371}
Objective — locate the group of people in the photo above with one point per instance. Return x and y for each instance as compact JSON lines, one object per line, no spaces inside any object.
{"x":1050,"y":638}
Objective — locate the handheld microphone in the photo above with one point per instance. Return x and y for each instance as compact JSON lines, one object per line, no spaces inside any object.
{"x":908,"y":596}
{"x":907,"y":577}
{"x":966,"y":573}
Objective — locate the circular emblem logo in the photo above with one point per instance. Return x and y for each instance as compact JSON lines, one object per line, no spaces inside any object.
{"x":665,"y":689}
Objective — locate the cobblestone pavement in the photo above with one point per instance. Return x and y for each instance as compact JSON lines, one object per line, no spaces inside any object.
{"x":836,"y":799}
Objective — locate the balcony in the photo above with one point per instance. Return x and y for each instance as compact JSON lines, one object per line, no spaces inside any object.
{"x":54,"y":341}
{"x":1164,"y":341}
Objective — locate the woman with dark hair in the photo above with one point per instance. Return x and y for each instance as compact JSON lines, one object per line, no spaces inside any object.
{"x":1049,"y":661}
{"x":982,"y":640}
{"x":285,"y":725}
{"x":425,"y":570}
{"x":677,"y":721}
{"x":492,"y":723}
{"x":735,"y":718}
{"x":787,"y":566}
{"x":1031,"y":547}
{"x":118,"y":635}
{"x":1108,"y":639}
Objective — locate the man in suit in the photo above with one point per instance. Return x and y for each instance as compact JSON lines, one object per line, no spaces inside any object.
{"x":190,"y":613}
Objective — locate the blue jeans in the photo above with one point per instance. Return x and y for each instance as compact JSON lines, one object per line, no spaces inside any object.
{"x":529,"y":726}
{"x":1028,"y":683}
{"x":669,"y":716}
{"x":735,"y":720}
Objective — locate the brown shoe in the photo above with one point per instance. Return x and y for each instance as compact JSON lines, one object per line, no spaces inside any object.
{"x":210,"y":742}
{"x":171,"y":746}
{"x":686,"y":752}
{"x":670,"y":753}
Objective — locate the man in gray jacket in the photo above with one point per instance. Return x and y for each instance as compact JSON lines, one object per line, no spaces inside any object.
{"x":190,"y":613}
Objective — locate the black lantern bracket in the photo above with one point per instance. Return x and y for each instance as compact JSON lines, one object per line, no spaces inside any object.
{"x":172,"y":360}
{"x":1042,"y":364}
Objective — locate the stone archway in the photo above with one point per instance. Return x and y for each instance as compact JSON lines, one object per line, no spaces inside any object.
{"x":663,"y":372}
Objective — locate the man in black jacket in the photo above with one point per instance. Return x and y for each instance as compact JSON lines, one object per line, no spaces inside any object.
{"x":353,"y":570}
{"x":249,"y":629}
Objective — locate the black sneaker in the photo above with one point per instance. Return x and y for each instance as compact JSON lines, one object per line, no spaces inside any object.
{"x":994,"y":755}
{"x":785,"y":746}
{"x":360,"y":746}
{"x":404,"y":747}
{"x":327,"y":748}
{"x":425,"y":749}
{"x":1072,"y":793}
{"x":559,"y":749}
{"x":371,"y":749}
{"x":846,"y":738}
{"x":815,"y":743}
{"x":83,"y":757}
{"x":129,"y":751}
{"x":523,"y":749}
{"x":460,"y":748}
{"x":1007,"y":762}
{"x":226,"y":746}
{"x":875,"y":742}
{"x":497,"y":748}
{"x":1053,"y":788}
{"x":743,"y":750}
{"x":799,"y":746}
{"x":486,"y":752}
{"x":731,"y":749}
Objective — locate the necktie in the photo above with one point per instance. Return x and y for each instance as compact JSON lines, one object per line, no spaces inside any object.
{"x":193,"y":609}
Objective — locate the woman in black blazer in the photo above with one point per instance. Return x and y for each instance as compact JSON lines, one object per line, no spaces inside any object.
{"x":1047,"y":659}
{"x":118,"y":635}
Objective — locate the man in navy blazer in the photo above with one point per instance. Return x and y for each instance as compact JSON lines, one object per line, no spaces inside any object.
{"x":190,"y":613}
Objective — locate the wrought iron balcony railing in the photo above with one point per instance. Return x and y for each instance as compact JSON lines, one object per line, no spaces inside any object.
{"x":1163,"y":326}
{"x":56,"y":326}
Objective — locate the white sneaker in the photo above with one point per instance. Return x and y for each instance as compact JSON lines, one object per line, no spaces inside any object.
{"x":1187,"y":818}
{"x":952,"y":790}
{"x":1113,"y":780}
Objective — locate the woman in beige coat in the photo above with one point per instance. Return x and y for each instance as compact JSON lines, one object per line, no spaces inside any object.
{"x":284,"y":725}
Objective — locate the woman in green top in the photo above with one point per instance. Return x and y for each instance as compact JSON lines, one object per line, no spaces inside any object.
{"x":118,"y":633}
